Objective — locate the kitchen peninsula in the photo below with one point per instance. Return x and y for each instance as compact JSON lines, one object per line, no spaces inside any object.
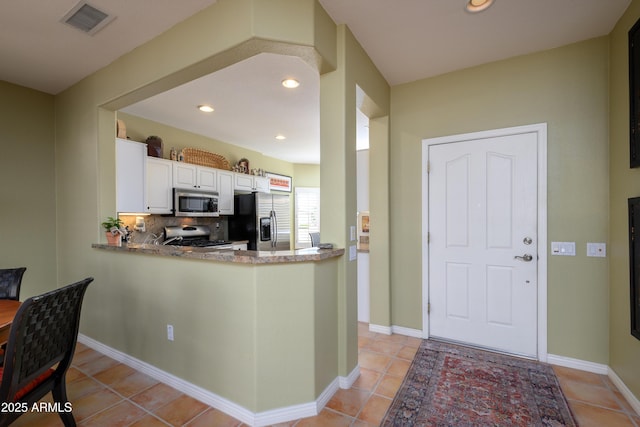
{"x":243,"y":323}
{"x":227,"y":255}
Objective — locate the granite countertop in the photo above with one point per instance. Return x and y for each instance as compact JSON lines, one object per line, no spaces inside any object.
{"x":227,"y":255}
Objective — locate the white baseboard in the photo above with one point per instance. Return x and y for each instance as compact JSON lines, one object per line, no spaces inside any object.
{"x":598,"y":368}
{"x":265,"y":418}
{"x":379,"y":329}
{"x":582,"y":365}
{"x":400,"y":330}
{"x":347,"y":382}
{"x":622,"y":387}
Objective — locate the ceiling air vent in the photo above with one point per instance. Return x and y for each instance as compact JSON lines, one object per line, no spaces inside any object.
{"x":87,"y":18}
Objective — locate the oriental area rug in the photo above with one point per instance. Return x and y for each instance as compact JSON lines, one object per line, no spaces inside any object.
{"x":451,"y":385}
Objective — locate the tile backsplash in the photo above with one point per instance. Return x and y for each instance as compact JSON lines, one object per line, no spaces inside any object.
{"x":154,"y":225}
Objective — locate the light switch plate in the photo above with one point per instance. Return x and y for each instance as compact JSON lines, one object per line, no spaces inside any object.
{"x":597,"y":249}
{"x":353,"y":253}
{"x":563,"y":248}
{"x":352,"y":233}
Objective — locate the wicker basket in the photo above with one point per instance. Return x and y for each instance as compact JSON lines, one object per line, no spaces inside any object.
{"x":200,"y":157}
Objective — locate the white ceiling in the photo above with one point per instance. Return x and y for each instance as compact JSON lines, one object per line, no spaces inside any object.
{"x":40,"y":52}
{"x":407,"y":40}
{"x":251,"y":107}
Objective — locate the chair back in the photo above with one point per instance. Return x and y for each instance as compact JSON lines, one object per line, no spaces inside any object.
{"x":10,"y":281}
{"x":43,"y":334}
{"x":315,"y":239}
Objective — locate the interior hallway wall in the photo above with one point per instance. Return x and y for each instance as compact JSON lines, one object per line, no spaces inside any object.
{"x":625,"y":183}
{"x":27,"y":189}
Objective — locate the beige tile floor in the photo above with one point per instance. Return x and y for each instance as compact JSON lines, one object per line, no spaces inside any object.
{"x":107,"y":393}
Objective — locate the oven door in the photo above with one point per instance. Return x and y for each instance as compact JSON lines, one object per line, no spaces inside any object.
{"x":193,"y":203}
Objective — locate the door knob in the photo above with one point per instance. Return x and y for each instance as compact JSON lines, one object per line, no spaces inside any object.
{"x":525,"y":257}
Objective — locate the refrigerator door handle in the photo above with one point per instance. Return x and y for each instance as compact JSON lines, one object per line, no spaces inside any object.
{"x":274,"y":229}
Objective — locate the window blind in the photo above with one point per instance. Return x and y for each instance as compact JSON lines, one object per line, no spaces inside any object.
{"x":307,"y":211}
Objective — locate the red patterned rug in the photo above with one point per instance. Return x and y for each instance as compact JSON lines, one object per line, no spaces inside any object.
{"x":450,"y":385}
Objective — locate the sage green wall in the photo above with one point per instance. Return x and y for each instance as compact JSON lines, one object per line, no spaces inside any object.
{"x":257,"y":335}
{"x":379,"y":211}
{"x":338,"y":171}
{"x":568,"y":89}
{"x":27,"y":192}
{"x":226,"y":32}
{"x":625,"y":183}
{"x":306,"y":175}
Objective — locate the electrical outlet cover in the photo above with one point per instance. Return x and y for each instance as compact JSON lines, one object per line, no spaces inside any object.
{"x":563,"y":248}
{"x":597,"y":250}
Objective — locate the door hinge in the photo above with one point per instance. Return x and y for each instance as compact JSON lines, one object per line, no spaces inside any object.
{"x":428,"y":308}
{"x":428,"y":237}
{"x":428,"y":167}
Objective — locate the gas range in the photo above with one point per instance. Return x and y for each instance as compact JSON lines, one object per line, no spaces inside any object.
{"x":191,"y":235}
{"x":200,"y":243}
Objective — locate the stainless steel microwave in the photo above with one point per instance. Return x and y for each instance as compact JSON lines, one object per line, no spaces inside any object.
{"x":195,"y":203}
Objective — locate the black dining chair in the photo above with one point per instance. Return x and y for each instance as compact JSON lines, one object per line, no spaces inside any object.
{"x":10,"y":281}
{"x":41,"y":344}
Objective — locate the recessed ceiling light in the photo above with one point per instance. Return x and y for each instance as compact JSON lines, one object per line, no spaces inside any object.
{"x":290,"y":83}
{"x":280,"y":137}
{"x":475,"y":6}
{"x":205,"y":108}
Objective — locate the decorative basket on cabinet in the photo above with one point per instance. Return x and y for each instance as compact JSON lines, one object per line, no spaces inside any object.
{"x":200,"y":157}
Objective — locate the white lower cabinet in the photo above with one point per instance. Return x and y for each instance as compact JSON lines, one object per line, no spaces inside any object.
{"x":159,"y":186}
{"x":225,"y":192}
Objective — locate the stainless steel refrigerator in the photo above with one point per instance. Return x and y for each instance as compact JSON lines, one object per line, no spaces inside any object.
{"x":263,"y":219}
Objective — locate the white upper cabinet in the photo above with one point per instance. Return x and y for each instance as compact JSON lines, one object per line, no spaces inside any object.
{"x":244,"y":182}
{"x":184,"y":175}
{"x":130,"y":176}
{"x":194,"y":177}
{"x":261,"y":184}
{"x":225,"y":192}
{"x":159,"y":186}
{"x":207,"y":178}
{"x":145,"y":184}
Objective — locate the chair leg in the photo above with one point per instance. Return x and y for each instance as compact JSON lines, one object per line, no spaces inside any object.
{"x":59,"y":392}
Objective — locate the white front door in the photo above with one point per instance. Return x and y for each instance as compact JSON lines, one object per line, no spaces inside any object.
{"x":483,"y":243}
